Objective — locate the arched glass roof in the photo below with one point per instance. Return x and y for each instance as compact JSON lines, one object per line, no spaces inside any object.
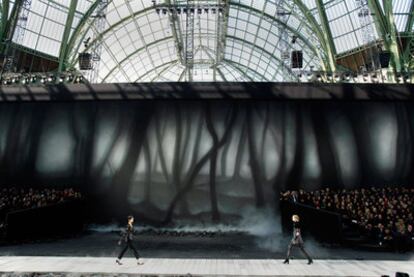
{"x":203,"y":40}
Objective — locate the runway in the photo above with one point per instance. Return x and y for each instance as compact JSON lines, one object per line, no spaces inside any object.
{"x":88,"y":266}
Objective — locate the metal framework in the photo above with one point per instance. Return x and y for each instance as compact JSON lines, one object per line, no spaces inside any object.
{"x":209,"y":40}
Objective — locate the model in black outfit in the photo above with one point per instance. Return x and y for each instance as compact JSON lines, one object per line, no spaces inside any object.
{"x":297,"y":240}
{"x":127,"y":237}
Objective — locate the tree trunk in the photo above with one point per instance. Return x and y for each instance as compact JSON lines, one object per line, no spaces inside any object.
{"x":124,"y":175}
{"x":326,"y":149}
{"x":213,"y":163}
{"x":240,"y":152}
{"x":294,"y":177}
{"x":196,"y":169}
{"x":253,"y":160}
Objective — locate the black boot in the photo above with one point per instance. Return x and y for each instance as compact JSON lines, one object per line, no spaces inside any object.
{"x":118,"y":262}
{"x":310,"y":261}
{"x":286,"y":261}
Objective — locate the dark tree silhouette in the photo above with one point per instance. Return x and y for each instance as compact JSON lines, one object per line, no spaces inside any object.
{"x":213,"y":163}
{"x":327,"y":155}
{"x":192,"y":174}
{"x":294,"y":176}
{"x":253,"y":160}
{"x":123,"y":176}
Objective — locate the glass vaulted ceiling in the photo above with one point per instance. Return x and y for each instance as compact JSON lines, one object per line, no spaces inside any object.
{"x":236,"y":40}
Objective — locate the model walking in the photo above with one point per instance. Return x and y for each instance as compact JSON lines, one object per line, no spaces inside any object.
{"x":127,"y":237}
{"x":297,"y":240}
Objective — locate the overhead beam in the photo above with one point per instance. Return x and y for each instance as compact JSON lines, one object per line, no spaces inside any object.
{"x":316,"y":49}
{"x":327,"y":35}
{"x":4,"y":18}
{"x":410,"y":21}
{"x":177,"y":33}
{"x":100,"y":36}
{"x":255,"y":46}
{"x":243,"y":73}
{"x":77,"y":32}
{"x":120,"y":63}
{"x":9,"y":23}
{"x":64,"y":43}
{"x":385,"y":25}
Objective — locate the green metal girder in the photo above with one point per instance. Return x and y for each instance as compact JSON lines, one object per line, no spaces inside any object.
{"x":313,"y":48}
{"x":315,"y":27}
{"x":171,"y":37}
{"x":253,"y":46}
{"x":123,"y":20}
{"x":133,"y":54}
{"x":167,"y":64}
{"x":177,"y":34}
{"x":305,"y":40}
{"x":4,"y":19}
{"x":244,"y":73}
{"x":386,"y":27}
{"x":64,"y":43}
{"x":410,"y":21}
{"x":34,"y":52}
{"x":221,"y":74}
{"x":77,"y":31}
{"x":159,"y":74}
{"x":327,"y":34}
{"x":9,"y":24}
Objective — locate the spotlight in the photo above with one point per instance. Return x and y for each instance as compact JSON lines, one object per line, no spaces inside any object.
{"x":205,"y":10}
{"x":337,"y":77}
{"x":158,"y":10}
{"x":347,"y":77}
{"x":69,"y":78}
{"x":365,"y":77}
{"x":319,"y":77}
{"x":329,"y":76}
{"x":355,"y":77}
{"x":374,"y":77}
{"x":199,"y":10}
{"x":407,"y":78}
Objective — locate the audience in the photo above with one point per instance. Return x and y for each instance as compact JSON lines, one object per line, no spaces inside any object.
{"x":13,"y":198}
{"x":382,"y":215}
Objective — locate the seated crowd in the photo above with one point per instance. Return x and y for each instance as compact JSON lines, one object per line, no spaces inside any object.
{"x":383,"y":215}
{"x":12,"y":198}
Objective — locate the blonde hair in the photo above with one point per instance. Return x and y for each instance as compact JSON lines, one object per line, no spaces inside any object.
{"x":295,"y":218}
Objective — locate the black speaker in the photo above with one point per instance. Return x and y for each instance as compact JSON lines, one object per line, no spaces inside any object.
{"x":85,"y":61}
{"x":384,"y":58}
{"x":401,"y":274}
{"x":297,"y":59}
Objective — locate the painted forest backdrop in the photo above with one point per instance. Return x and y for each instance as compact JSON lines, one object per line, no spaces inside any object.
{"x":171,"y":159}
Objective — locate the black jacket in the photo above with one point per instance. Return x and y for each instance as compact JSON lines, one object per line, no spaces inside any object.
{"x":297,"y":236}
{"x":128,"y":234}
